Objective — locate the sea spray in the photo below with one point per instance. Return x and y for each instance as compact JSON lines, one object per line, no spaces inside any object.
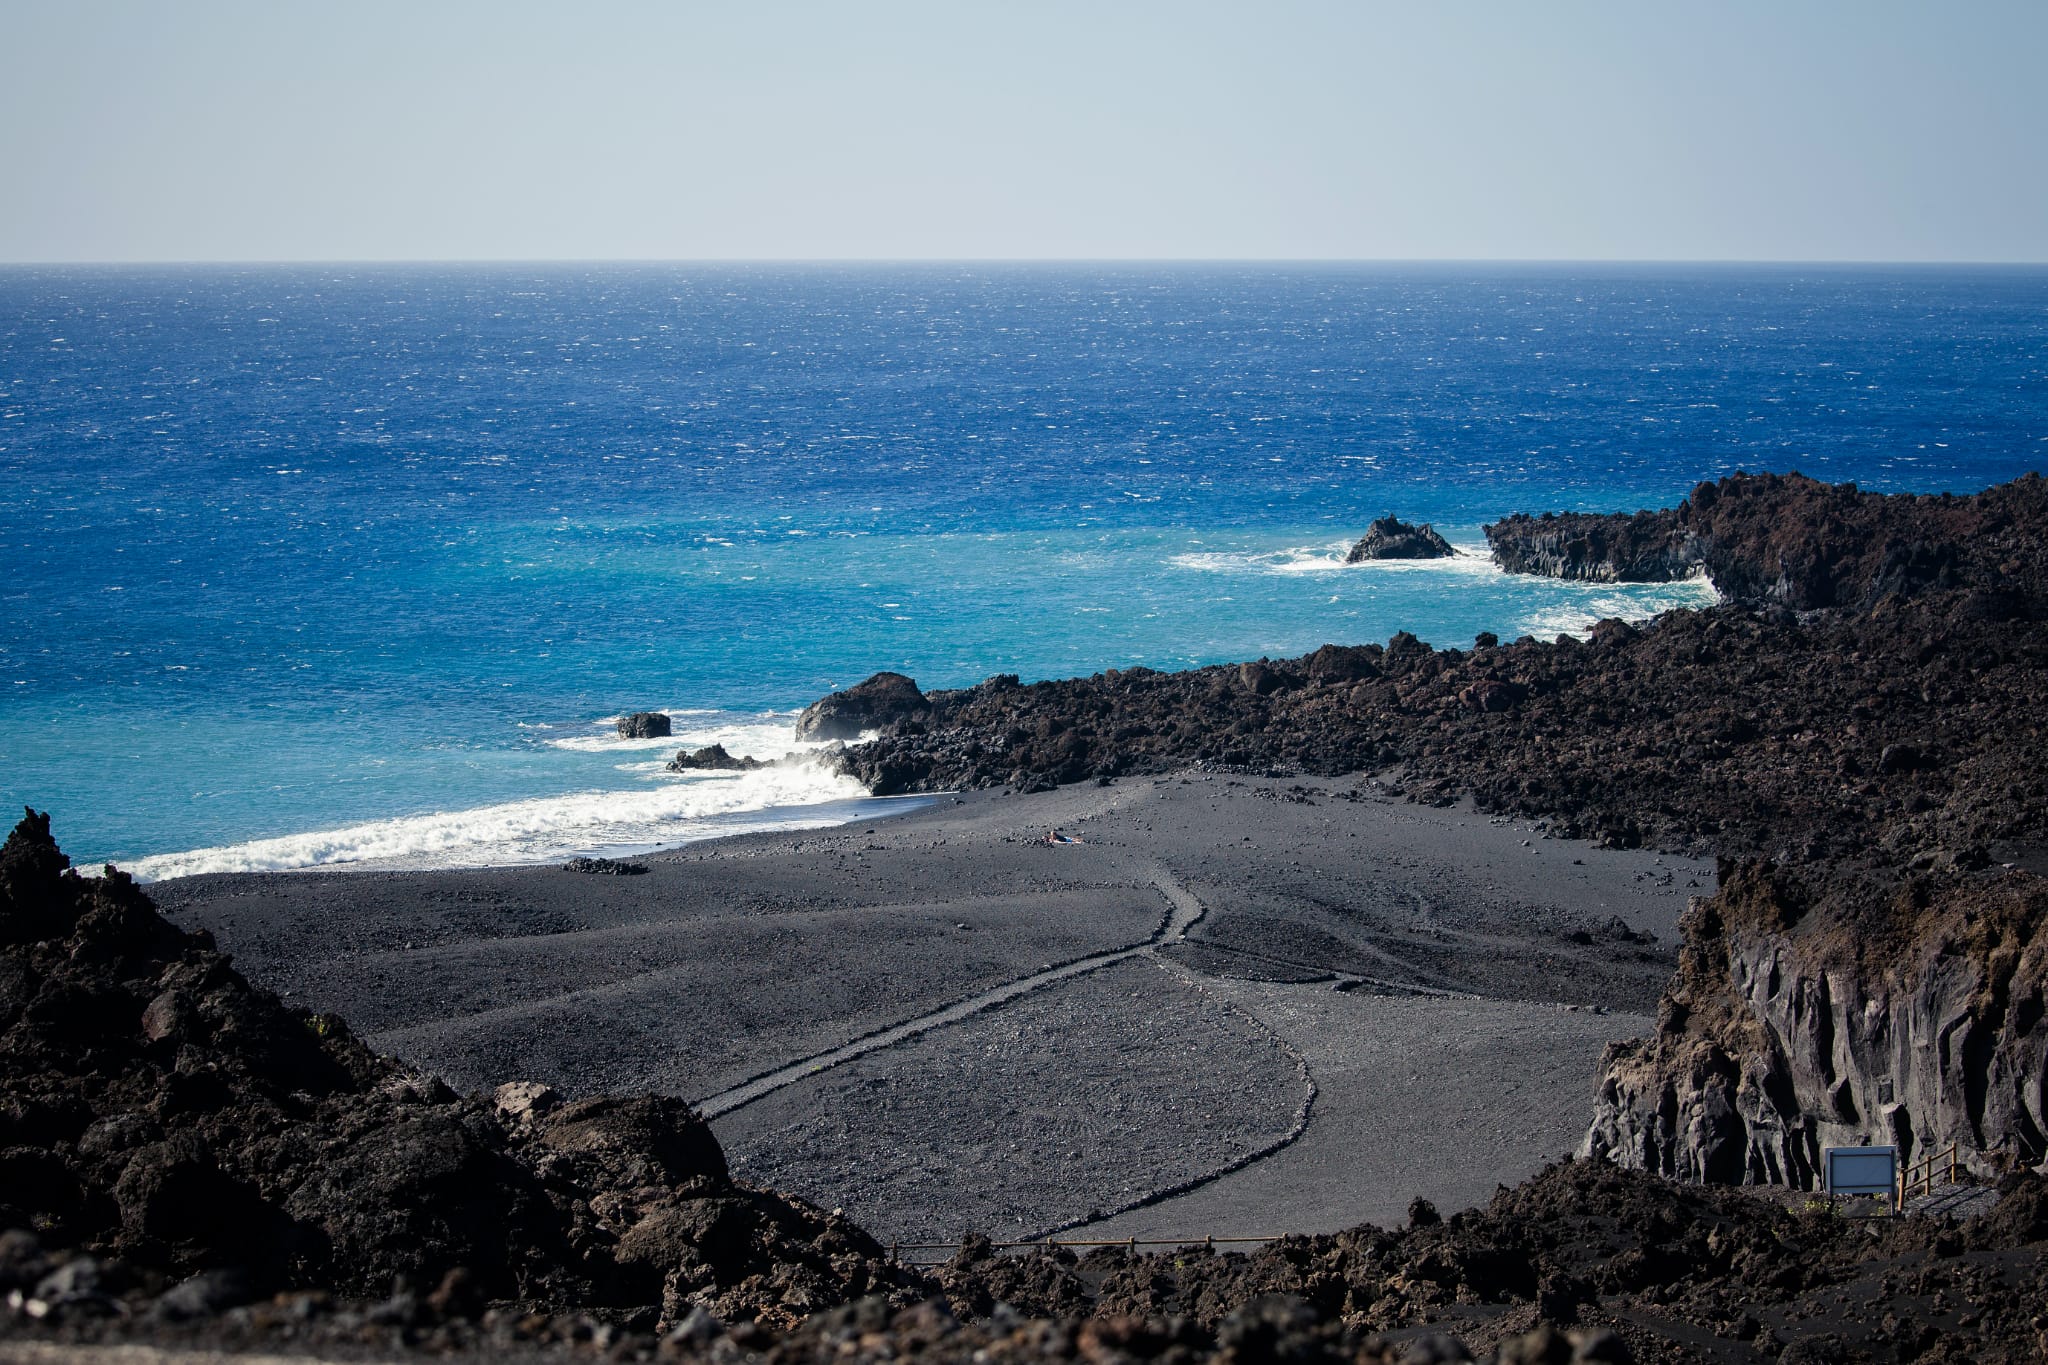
{"x":794,"y":795}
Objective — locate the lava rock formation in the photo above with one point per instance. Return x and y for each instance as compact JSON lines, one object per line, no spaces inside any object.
{"x":1856,"y":731}
{"x":886,"y":699}
{"x":159,"y":1111}
{"x":1392,"y":538}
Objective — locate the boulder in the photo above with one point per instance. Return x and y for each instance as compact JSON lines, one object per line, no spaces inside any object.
{"x":1489,"y":694}
{"x":1392,"y":538}
{"x":604,"y":867}
{"x":636,"y":1141}
{"x":525,"y":1101}
{"x":1333,"y":664}
{"x":644,"y":725}
{"x":1259,"y":678}
{"x":884,"y":700}
{"x":711,"y":758}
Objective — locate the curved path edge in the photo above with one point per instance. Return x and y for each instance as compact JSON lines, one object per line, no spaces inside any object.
{"x":1304,"y":1113}
{"x":1183,"y":912}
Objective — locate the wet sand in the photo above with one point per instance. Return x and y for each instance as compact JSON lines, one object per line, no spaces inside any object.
{"x":1297,"y":1001}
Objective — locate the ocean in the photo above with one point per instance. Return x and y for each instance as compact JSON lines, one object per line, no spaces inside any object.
{"x":338,"y":564}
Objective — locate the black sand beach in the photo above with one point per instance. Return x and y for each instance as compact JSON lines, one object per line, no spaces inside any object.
{"x":1374,"y":999}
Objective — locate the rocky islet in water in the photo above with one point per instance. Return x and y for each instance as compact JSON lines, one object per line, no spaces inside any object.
{"x":1392,"y":538}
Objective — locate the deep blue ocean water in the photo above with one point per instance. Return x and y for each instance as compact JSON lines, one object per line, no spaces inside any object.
{"x":312,"y":563}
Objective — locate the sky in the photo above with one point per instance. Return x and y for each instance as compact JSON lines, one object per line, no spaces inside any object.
{"x":1810,"y":130}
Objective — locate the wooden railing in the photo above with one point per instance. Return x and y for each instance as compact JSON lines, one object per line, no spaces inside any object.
{"x":1919,"y":1176}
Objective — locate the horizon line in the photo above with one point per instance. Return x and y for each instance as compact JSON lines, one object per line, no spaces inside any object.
{"x":1304,"y":261}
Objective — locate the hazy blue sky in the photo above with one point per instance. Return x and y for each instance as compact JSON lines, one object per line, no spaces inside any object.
{"x":1832,"y":129}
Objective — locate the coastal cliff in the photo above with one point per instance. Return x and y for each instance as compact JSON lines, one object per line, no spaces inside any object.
{"x":1787,"y":540}
{"x":1802,"y":1018}
{"x":1896,"y":997}
{"x":1646,"y":547}
{"x":1856,"y":731}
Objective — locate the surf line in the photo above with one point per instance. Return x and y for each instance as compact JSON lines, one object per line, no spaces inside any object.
{"x":1183,"y":912}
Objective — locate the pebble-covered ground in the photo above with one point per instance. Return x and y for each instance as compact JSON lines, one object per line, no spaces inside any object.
{"x":1088,"y":1096}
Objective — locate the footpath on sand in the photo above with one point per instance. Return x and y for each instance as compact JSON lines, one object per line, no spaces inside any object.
{"x":1135,"y":1013}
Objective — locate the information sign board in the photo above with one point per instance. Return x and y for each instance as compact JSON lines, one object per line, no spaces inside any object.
{"x":1862,"y":1170}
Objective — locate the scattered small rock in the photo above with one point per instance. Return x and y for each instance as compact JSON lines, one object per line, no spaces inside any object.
{"x":604,"y":867}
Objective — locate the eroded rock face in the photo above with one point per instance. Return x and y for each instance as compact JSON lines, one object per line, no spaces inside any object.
{"x":1791,"y":541}
{"x":1645,"y":547}
{"x":1392,"y":538}
{"x":879,"y":702}
{"x":1884,"y":737}
{"x":157,"y":1108}
{"x":644,"y":725}
{"x":1830,"y":1010}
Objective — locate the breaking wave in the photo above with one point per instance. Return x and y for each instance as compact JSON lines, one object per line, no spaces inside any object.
{"x":766,"y":736}
{"x":1598,"y":602}
{"x":798,"y":795}
{"x":1321,"y":559}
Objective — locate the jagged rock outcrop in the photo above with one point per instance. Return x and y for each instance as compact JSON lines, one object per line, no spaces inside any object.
{"x":1392,"y":538}
{"x":1826,"y":1008}
{"x":712,"y":758}
{"x":1883,"y":736}
{"x":1887,"y":733}
{"x":1640,"y":1267}
{"x":158,"y":1109}
{"x":1792,"y":541}
{"x":1643,"y":547}
{"x":644,"y":725}
{"x":876,"y":703}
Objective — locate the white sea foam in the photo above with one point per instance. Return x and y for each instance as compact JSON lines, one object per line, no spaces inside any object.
{"x":544,"y":828}
{"x":1591,"y":603}
{"x":1322,"y":559}
{"x":766,"y":736}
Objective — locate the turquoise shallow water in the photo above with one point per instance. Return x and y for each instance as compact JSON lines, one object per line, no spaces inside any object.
{"x":315,"y":564}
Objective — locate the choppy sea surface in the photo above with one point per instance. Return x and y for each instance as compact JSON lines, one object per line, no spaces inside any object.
{"x":320,"y":564}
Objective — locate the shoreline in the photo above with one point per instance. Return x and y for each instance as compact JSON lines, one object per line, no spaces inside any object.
{"x":829,"y":948}
{"x":579,"y":757}
{"x":1235,"y":993}
{"x":841,"y":810}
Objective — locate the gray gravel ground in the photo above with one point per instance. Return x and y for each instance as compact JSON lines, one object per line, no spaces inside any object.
{"x":1438,"y":972}
{"x":1441,"y":1098}
{"x":1030,"y":1115}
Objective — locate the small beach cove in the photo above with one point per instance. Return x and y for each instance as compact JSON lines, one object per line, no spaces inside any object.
{"x":875,"y":989}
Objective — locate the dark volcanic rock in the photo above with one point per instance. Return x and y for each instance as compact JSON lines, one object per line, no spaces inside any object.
{"x":1814,"y":1007}
{"x":1392,"y":538}
{"x":158,"y":1110}
{"x":1623,"y":1265}
{"x":882,"y":701}
{"x":1886,"y":732}
{"x":644,"y":725}
{"x":712,"y":758}
{"x":604,"y":867}
{"x":1796,"y":542}
{"x":1878,"y":750}
{"x":1644,"y":547}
